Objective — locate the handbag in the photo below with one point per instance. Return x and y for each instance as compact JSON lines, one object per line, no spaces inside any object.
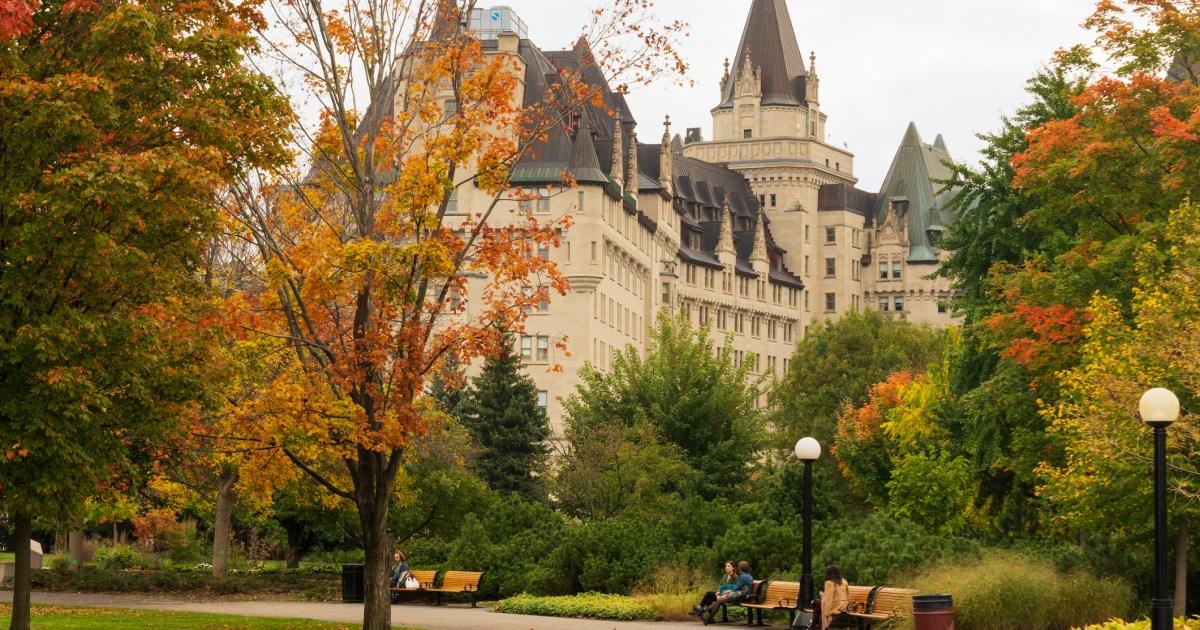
{"x":411,"y":582}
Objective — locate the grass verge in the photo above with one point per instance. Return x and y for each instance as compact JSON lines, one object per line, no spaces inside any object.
{"x":74,"y":618}
{"x":1144,"y":624}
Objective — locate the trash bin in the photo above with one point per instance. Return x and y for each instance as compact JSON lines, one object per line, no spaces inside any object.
{"x":352,"y":583}
{"x":933,"y":612}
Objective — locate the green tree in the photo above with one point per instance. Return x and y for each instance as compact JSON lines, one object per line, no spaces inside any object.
{"x":612,"y":468}
{"x":837,"y":363}
{"x":118,"y":124}
{"x":693,"y":394}
{"x":502,"y":414}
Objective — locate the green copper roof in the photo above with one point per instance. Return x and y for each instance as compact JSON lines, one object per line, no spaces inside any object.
{"x":912,"y":177}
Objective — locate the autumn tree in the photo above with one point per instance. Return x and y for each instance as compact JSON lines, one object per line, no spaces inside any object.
{"x":1104,"y":483}
{"x":108,"y":175}
{"x":368,"y":278}
{"x":837,"y":363}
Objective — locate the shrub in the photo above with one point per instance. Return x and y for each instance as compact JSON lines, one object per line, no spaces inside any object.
{"x":586,"y":605}
{"x":612,"y":556}
{"x":873,"y":549}
{"x":120,"y":557}
{"x":1007,"y":591}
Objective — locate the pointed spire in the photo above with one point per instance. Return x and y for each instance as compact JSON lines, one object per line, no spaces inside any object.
{"x":812,"y":62}
{"x":616,"y":173}
{"x":758,"y":255}
{"x":585,"y":165}
{"x":911,"y":137}
{"x":769,"y":40}
{"x":666,"y":162}
{"x":632,"y":177}
{"x":725,"y":251}
{"x":939,"y":143}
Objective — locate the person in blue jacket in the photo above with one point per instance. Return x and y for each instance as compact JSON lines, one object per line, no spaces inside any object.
{"x":743,"y":589}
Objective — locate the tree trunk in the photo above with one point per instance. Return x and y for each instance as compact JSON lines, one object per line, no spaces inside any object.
{"x":221,"y":522}
{"x":20,"y":605}
{"x":1181,"y":554}
{"x":295,"y":543}
{"x":373,"y":482}
{"x":75,"y":541}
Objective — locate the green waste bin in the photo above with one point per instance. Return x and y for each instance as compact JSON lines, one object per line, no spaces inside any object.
{"x":933,"y":612}
{"x":352,"y":583}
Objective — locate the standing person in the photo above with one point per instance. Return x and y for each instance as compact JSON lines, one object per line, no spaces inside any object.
{"x":835,"y":598}
{"x":399,"y":570}
{"x":728,"y":583}
{"x":742,"y":590}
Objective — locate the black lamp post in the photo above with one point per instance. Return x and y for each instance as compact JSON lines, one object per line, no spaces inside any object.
{"x":807,"y":451}
{"x":1159,"y":408}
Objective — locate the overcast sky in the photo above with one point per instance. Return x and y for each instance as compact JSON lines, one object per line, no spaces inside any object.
{"x":951,"y":66}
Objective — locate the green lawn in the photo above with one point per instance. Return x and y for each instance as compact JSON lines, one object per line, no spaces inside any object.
{"x":7,"y":556}
{"x":72,"y":618}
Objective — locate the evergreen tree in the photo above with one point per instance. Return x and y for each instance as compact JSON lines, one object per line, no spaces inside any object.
{"x":449,"y":387}
{"x":501,"y":412}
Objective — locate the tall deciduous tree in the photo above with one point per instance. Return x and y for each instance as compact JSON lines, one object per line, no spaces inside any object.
{"x":501,"y":413}
{"x":691,"y":393}
{"x":118,"y":124}
{"x":1104,"y":483}
{"x":364,"y":270}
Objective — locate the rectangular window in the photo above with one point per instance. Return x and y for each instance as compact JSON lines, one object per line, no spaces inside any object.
{"x":896,"y":266}
{"x":543,"y":202}
{"x":806,"y":239}
{"x":566,"y":245}
{"x":883,"y":270}
{"x":666,"y":294}
{"x":884,"y":304}
{"x":806,"y":270}
{"x":830,"y":235}
{"x":452,"y":203}
{"x":830,"y":302}
{"x":543,"y":399}
{"x":746,"y":133}
{"x":762,"y":201}
{"x":830,"y":267}
{"x":526,"y":348}
{"x":543,"y":251}
{"x":593,"y":252}
{"x":580,"y":208}
{"x":772,"y":200}
{"x":899,"y":304}
{"x":806,"y":300}
{"x":942,"y":308}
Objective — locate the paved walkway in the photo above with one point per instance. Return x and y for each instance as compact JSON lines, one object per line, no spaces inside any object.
{"x":415,"y":615}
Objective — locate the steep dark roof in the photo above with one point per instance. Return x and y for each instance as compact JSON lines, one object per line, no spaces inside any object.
{"x":770,"y":40}
{"x":712,"y":186}
{"x":846,"y":197}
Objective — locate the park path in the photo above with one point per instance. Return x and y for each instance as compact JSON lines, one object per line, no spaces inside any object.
{"x":414,"y":615}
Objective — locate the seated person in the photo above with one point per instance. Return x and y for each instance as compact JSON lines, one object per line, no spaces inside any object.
{"x":835,"y":600}
{"x":728,"y":583}
{"x":399,"y":570}
{"x":743,"y":589}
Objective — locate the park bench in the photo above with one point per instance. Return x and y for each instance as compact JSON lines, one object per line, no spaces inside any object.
{"x":455,"y":582}
{"x":778,"y":595}
{"x":883,"y":604}
{"x":426,"y":579}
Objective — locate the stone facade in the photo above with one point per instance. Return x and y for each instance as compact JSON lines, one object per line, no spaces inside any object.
{"x":756,"y":233}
